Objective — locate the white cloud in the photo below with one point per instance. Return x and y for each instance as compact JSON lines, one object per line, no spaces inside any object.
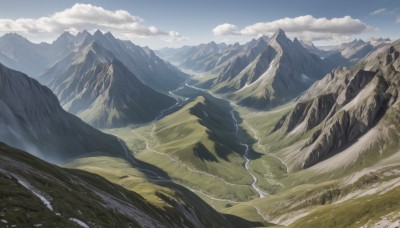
{"x":225,"y":29}
{"x":85,"y":16}
{"x":175,"y":37}
{"x":379,"y":11}
{"x":305,"y":27}
{"x":398,"y":19}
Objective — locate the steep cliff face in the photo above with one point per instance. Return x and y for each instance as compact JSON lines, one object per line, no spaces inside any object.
{"x":345,"y":105}
{"x":352,"y":121}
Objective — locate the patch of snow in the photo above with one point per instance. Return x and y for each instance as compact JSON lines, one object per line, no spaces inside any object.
{"x":32,"y":189}
{"x":79,"y":222}
{"x":4,"y":221}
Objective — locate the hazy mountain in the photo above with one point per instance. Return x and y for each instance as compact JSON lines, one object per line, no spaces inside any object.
{"x":346,"y":54}
{"x":32,"y":119}
{"x":19,"y":53}
{"x":143,"y":62}
{"x":282,"y":71}
{"x":315,"y":50}
{"x":350,"y":110}
{"x":102,"y":91}
{"x":211,"y":56}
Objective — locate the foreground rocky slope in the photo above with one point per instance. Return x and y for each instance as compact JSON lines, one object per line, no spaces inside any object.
{"x":35,"y":193}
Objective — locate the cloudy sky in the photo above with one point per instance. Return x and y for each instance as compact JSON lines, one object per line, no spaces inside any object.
{"x":160,"y":23}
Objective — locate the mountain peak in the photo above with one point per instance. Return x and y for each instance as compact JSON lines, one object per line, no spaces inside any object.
{"x":279,"y":38}
{"x":64,"y":37}
{"x":109,"y":35}
{"x":15,"y":36}
{"x":279,"y":35}
{"x":83,"y":34}
{"x":98,"y":33}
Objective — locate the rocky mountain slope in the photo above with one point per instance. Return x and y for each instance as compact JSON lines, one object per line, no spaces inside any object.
{"x":282,"y":71}
{"x":337,"y":150}
{"x":142,"y":62}
{"x":350,"y":112}
{"x":32,"y":119}
{"x":35,"y":193}
{"x":102,"y":91}
{"x":50,"y":59}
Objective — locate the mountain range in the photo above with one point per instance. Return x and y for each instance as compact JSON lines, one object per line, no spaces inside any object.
{"x":33,"y":120}
{"x":210,"y":56}
{"x":105,"y":81}
{"x":274,"y":132}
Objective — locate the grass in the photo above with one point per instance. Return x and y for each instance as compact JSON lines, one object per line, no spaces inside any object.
{"x":91,"y":198}
{"x":196,"y":147}
{"x":172,"y":144}
{"x":353,"y":213}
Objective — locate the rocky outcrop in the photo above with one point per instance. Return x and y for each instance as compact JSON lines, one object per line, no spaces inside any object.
{"x":308,"y":114}
{"x":348,"y":125}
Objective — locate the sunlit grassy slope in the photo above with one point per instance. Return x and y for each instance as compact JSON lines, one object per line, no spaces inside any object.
{"x":197,"y":146}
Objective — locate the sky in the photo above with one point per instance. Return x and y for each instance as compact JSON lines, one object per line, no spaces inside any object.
{"x":174,"y":23}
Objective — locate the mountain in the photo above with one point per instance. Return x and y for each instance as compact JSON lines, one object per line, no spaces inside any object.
{"x":278,"y":74}
{"x":45,"y":61}
{"x":351,"y":111}
{"x":142,"y":62}
{"x":314,"y":50}
{"x":33,"y":120}
{"x":346,"y":54}
{"x":21,"y":54}
{"x":102,"y":91}
{"x":210,"y":57}
{"x":332,"y":156}
{"x":35,"y":193}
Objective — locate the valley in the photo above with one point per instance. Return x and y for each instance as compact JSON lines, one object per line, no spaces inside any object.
{"x":115,"y":123}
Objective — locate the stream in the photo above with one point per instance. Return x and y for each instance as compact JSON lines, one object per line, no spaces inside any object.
{"x":260,"y":193}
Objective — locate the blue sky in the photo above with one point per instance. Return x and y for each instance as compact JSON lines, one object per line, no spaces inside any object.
{"x":179,"y":22}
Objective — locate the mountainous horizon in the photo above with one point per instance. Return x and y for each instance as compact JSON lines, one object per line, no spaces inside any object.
{"x":270,"y":114}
